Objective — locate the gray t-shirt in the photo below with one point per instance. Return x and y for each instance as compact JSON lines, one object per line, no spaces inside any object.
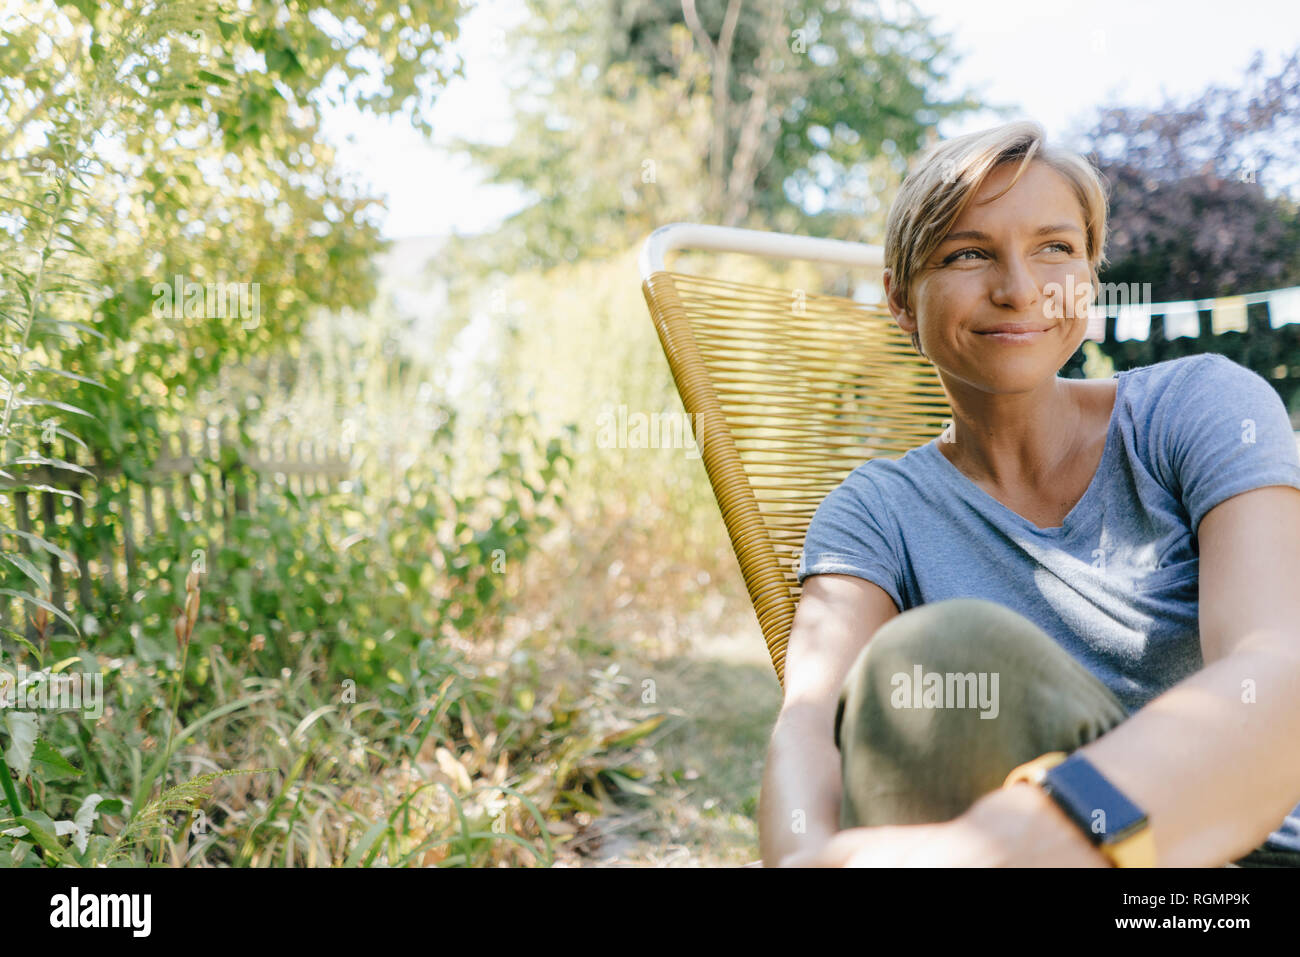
{"x":1116,"y":583}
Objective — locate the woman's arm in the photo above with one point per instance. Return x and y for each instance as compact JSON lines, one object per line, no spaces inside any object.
{"x":799,"y":807}
{"x":1215,"y":760}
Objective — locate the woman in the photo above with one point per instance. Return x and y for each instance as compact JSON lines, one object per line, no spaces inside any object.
{"x":1062,"y":633}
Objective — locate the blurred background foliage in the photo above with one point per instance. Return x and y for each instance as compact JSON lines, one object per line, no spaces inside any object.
{"x":1203,"y":204}
{"x":477,"y":646}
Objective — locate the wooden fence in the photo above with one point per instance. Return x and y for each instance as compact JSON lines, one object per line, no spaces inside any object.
{"x":199,"y":483}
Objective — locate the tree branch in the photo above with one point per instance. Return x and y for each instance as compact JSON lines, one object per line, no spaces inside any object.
{"x":754,"y":144}
{"x":720,"y":56}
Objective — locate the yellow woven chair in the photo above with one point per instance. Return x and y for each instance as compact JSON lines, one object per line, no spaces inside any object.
{"x":787,"y":392}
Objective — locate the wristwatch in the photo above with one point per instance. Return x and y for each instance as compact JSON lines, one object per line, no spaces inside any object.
{"x":1116,"y":826}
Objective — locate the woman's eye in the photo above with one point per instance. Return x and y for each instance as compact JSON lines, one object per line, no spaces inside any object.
{"x":962,"y":255}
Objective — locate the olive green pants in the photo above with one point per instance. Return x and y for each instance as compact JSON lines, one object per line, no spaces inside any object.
{"x":947,"y":698}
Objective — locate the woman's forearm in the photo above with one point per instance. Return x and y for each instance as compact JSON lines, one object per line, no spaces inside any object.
{"x":1215,"y":760}
{"x":800,"y":800}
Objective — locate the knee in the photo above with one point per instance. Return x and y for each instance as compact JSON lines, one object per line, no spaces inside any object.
{"x":945,"y":637}
{"x":952,"y":631}
{"x":955,"y":636}
{"x":967,"y":642}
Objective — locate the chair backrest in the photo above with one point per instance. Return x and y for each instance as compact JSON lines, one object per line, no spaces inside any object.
{"x":787,"y":393}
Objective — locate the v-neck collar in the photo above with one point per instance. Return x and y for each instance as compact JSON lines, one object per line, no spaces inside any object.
{"x":1082,"y":508}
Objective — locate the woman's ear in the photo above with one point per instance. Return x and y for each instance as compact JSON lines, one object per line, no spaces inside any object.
{"x":902,"y":315}
{"x":894,"y":299}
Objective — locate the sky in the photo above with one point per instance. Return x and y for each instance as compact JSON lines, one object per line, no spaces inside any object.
{"x":1060,"y":61}
{"x":1054,"y":62}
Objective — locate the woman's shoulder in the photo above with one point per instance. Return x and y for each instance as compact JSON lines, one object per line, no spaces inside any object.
{"x":1168,"y":372}
{"x":1188,"y":387}
{"x":883,"y":473}
{"x":877,"y":481}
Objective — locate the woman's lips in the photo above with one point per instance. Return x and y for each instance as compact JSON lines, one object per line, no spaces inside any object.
{"x":1026,"y":335}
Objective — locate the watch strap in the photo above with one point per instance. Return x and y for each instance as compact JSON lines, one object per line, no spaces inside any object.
{"x":1137,"y":849}
{"x":1033,"y":771}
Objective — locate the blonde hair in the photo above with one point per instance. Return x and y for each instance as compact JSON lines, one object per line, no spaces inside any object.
{"x":949,"y":174}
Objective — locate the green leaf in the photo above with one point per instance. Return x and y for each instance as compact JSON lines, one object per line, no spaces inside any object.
{"x":32,"y":206}
{"x":69,"y":375}
{"x":42,"y":603}
{"x":79,"y":326}
{"x":37,"y":542}
{"x":16,"y":855}
{"x":582,"y":801}
{"x":53,"y":761}
{"x":22,"y":741}
{"x":22,"y":487}
{"x":36,"y":652}
{"x":84,"y":819}
{"x":25,"y":566}
{"x":626,"y":783}
{"x":58,"y":405}
{"x":367,"y":839}
{"x":34,"y":459}
{"x":621,"y":739}
{"x":98,"y":848}
{"x":43,"y":831}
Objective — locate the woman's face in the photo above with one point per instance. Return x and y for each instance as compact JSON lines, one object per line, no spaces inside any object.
{"x":1019,"y":262}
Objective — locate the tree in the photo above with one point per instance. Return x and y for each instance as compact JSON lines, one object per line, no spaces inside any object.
{"x":147,"y":140}
{"x":1199,"y":207}
{"x":151,"y":139}
{"x":785,"y":116}
{"x":805,"y":97}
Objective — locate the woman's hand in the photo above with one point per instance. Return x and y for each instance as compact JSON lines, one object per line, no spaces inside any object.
{"x":895,"y":846}
{"x":1021,"y":826}
{"x":1015,"y":827}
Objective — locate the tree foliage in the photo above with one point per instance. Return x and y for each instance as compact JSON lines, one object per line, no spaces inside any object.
{"x":183,"y":138}
{"x":1203,"y":204}
{"x":632,"y":114}
{"x":1198,"y":189}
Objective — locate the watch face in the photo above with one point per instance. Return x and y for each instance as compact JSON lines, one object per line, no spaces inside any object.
{"x":1094,"y":804}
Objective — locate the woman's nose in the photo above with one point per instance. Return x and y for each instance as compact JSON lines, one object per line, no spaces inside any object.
{"x":1015,"y":286}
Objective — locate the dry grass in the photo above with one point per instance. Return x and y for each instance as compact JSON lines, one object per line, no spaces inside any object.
{"x":679,"y":632}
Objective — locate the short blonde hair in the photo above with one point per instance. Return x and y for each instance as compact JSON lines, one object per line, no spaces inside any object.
{"x":949,"y":174}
